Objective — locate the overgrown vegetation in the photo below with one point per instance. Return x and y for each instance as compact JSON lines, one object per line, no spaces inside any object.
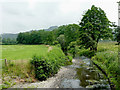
{"x":46,"y":66}
{"x":107,"y":59}
{"x":8,"y":41}
{"x":21,"y":70}
{"x":73,"y":39}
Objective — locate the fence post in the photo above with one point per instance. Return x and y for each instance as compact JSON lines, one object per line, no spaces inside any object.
{"x":5,"y":62}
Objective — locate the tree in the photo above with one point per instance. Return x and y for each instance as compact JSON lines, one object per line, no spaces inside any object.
{"x":94,"y":26}
{"x":62,"y":41}
{"x":72,"y":48}
{"x":71,"y":33}
{"x":59,"y":31}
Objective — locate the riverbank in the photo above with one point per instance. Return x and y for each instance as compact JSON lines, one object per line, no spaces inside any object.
{"x":81,"y":74}
{"x":53,"y":82}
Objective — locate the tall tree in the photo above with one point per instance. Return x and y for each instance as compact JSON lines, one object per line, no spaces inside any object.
{"x":71,"y":33}
{"x":62,"y":41}
{"x":94,"y":26}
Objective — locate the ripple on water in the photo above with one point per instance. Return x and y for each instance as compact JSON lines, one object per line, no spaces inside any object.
{"x":70,"y":83}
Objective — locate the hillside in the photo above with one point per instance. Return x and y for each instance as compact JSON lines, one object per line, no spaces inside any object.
{"x":51,"y":28}
{"x":9,"y":35}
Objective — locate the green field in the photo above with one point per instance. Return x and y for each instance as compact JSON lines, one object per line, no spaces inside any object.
{"x":19,"y":64}
{"x":22,"y":52}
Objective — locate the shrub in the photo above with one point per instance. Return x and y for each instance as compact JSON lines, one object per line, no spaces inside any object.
{"x":46,"y":66}
{"x":108,"y":61}
{"x":42,"y":67}
{"x":69,"y":58}
{"x":86,"y":52}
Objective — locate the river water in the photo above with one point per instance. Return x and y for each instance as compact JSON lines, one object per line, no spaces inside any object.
{"x":81,"y":74}
{"x":87,"y":75}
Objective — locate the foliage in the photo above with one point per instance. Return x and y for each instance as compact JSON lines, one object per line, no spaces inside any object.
{"x":62,"y":35}
{"x":94,"y":26}
{"x":36,"y":37}
{"x":72,"y":48}
{"x":62,"y":41}
{"x":59,"y":31}
{"x":69,"y":58}
{"x":46,"y":66}
{"x":86,"y":52}
{"x":71,"y":33}
{"x":0,"y":40}
{"x":108,"y":61}
{"x":52,"y":60}
{"x":8,"y":41}
{"x":43,"y":68}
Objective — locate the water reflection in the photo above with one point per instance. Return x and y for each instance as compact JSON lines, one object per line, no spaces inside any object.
{"x":87,"y":75}
{"x":90,"y":76}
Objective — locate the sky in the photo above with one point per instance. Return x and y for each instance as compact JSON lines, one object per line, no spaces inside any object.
{"x":25,"y":15}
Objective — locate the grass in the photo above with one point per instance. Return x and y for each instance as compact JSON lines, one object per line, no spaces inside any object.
{"x":22,"y":52}
{"x":104,"y":46}
{"x":107,"y":58}
{"x":18,"y":59}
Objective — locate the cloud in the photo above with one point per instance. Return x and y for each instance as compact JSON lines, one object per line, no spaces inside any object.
{"x":24,"y":15}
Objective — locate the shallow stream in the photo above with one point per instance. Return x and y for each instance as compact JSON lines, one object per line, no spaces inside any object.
{"x":87,"y":75}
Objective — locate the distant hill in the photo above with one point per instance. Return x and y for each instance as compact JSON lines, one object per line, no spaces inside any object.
{"x":51,"y":28}
{"x":14,"y":36}
{"x":9,"y":35}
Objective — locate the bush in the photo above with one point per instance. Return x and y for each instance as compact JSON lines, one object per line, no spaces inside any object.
{"x":69,"y":58}
{"x":86,"y":52}
{"x":108,"y":61}
{"x":46,"y":66}
{"x":41,"y":67}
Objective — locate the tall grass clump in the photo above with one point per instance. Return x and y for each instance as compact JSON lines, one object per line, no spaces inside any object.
{"x":47,"y":66}
{"x":107,"y":59}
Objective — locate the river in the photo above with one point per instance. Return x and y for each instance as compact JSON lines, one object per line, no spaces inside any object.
{"x":81,"y":74}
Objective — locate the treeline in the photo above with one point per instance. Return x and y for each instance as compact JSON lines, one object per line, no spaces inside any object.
{"x":36,"y":37}
{"x":63,"y":35}
{"x":93,"y":27}
{"x":8,"y":41}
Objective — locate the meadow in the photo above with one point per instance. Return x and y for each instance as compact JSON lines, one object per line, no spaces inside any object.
{"x":19,"y":57}
{"x":22,"y":52}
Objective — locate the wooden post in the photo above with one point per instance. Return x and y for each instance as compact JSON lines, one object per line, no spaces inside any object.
{"x":5,"y":62}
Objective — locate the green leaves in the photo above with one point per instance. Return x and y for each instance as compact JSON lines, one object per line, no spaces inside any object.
{"x":46,"y":66}
{"x":94,"y":26}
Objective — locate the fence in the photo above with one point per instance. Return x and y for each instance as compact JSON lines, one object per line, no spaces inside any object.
{"x":5,"y":60}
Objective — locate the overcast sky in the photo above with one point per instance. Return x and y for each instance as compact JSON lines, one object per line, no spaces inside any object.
{"x":25,"y":15}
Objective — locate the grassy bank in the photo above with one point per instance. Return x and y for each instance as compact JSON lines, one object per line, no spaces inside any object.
{"x":107,"y":58}
{"x":19,"y":68}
